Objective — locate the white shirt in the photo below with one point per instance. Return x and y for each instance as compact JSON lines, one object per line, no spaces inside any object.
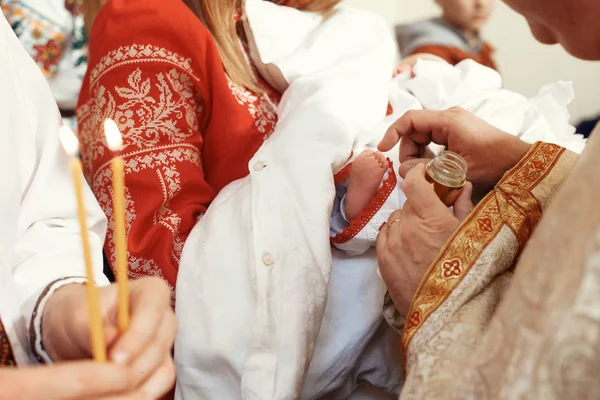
{"x":40,"y":240}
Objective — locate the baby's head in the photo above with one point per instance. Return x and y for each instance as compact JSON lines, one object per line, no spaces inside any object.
{"x":469,"y":15}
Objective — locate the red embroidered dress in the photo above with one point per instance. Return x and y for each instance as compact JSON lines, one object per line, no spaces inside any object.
{"x":188,"y":130}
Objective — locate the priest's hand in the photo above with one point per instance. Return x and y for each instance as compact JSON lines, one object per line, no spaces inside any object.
{"x":145,"y":347}
{"x":72,"y":380}
{"x":489,"y":152}
{"x":409,"y":243}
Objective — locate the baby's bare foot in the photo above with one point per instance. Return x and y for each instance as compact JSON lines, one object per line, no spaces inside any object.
{"x":365,"y":176}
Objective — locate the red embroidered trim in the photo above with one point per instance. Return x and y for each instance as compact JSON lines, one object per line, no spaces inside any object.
{"x":342,"y":175}
{"x":371,"y":209}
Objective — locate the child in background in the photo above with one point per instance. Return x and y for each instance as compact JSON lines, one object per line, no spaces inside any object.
{"x":453,"y":37}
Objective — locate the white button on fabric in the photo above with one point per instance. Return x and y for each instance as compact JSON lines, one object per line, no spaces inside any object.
{"x":259,"y":166}
{"x":267,"y":259}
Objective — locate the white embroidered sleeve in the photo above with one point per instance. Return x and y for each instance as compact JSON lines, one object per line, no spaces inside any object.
{"x":47,"y":236}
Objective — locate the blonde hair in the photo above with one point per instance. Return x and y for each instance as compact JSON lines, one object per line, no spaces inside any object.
{"x":218,"y":17}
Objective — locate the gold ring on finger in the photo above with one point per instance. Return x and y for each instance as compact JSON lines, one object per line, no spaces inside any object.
{"x":393,"y":222}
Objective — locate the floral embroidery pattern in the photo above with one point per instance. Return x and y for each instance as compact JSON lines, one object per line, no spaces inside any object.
{"x":261,"y":108}
{"x":165,"y":164}
{"x":415,"y":319}
{"x":139,"y":53}
{"x":452,"y":269}
{"x":141,"y":267}
{"x":43,"y":38}
{"x":47,"y":39}
{"x":485,"y":225}
{"x":47,"y":55}
{"x":142,"y":118}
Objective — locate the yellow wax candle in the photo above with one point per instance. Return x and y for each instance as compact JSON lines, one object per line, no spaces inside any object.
{"x":98,"y":341}
{"x":114,"y":140}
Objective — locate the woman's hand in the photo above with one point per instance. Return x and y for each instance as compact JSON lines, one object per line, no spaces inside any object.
{"x":73,"y":380}
{"x":489,"y":152}
{"x":414,"y":235}
{"x":145,"y":347}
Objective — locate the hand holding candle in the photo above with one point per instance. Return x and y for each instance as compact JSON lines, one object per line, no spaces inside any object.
{"x":98,"y":341}
{"x":114,"y":140}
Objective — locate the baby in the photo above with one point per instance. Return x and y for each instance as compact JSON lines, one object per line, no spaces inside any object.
{"x":453,"y":37}
{"x":366,"y":189}
{"x":366,"y":194}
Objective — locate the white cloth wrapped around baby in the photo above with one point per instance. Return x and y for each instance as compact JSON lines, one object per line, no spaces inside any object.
{"x":267,"y":309}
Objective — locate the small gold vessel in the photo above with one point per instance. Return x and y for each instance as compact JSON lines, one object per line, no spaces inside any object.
{"x":448,"y":174}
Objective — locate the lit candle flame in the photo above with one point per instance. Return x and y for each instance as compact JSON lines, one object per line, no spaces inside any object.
{"x":113,"y":135}
{"x":68,"y":140}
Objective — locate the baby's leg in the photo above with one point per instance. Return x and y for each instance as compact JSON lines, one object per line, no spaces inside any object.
{"x":365,"y":176}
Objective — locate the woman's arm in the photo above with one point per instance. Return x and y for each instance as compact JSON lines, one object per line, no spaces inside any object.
{"x":150,"y":70}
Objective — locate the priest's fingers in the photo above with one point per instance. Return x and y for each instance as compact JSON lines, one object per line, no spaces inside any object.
{"x":381,"y":242}
{"x":421,"y":126}
{"x":411,"y":150}
{"x":420,"y":194}
{"x":408,"y":165}
{"x":385,"y":239}
{"x":384,"y":231}
{"x":464,"y":205}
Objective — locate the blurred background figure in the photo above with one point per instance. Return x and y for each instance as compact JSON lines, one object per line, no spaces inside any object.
{"x":526,"y":64}
{"x":454,"y":37}
{"x":52,"y":32}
